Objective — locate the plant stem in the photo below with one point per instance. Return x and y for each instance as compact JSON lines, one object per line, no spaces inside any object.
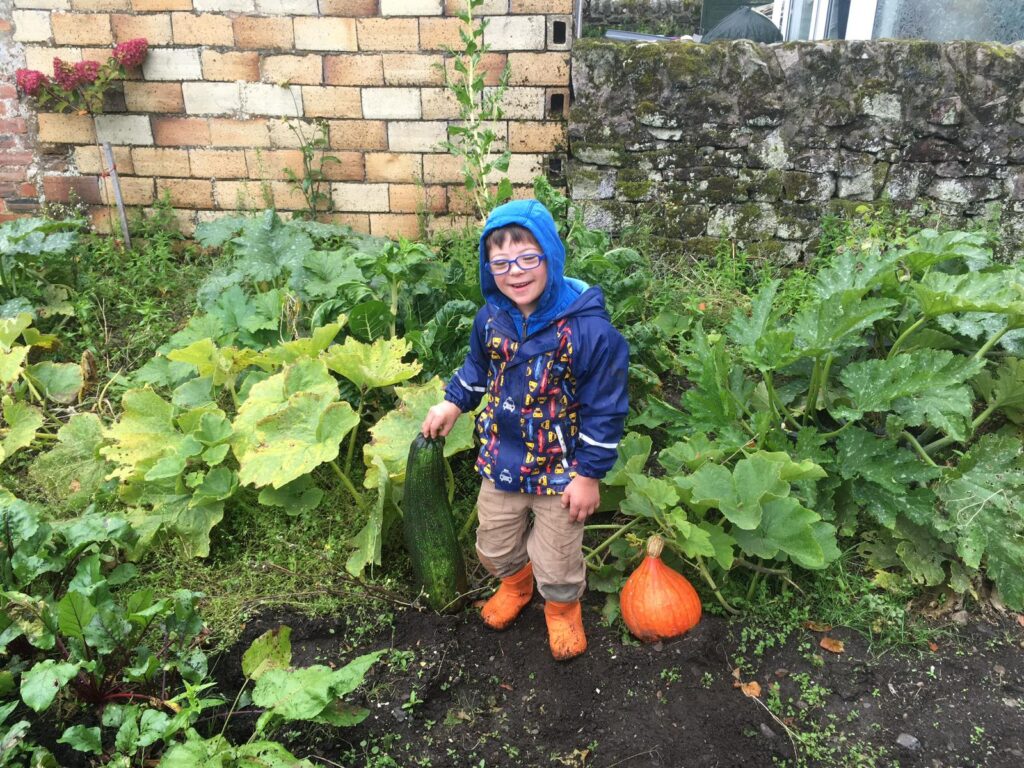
{"x":706,"y":575}
{"x":812,"y":391}
{"x":983,"y":350}
{"x":773,"y":397}
{"x":917,"y":448}
{"x":355,"y":431}
{"x":356,"y":496}
{"x":982,"y":417}
{"x":394,"y":309}
{"x":903,"y":336}
{"x":607,"y":542}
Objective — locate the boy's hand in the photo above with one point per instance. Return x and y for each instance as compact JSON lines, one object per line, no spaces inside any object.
{"x":582,"y":497}
{"x":440,"y":419}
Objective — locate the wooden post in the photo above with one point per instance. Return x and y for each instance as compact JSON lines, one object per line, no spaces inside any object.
{"x":108,"y":153}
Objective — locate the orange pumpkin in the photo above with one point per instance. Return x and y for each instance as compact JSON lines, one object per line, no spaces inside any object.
{"x":658,"y":603}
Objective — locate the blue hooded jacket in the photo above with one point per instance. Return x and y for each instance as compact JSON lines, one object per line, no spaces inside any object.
{"x":556,"y":381}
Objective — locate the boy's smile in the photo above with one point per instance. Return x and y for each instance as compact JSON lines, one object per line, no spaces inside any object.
{"x":523,"y":286}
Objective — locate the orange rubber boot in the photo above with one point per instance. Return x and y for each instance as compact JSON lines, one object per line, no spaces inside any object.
{"x":510,"y":599}
{"x":565,"y":629}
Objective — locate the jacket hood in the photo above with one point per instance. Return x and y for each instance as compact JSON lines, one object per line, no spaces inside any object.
{"x":560,"y":291}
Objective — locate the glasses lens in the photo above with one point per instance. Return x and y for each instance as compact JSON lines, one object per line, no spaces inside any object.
{"x":528,"y":260}
{"x":499,"y":267}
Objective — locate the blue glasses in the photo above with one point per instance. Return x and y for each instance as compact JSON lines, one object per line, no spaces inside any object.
{"x":525,"y":261}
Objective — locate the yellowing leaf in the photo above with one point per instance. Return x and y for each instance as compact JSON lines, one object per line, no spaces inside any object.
{"x":751,"y":689}
{"x":370,"y":366}
{"x":832,"y":645}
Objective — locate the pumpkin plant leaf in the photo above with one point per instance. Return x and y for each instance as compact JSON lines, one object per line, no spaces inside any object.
{"x":371,"y":366}
{"x":60,"y":382}
{"x":1000,"y":292}
{"x":21,"y":421}
{"x":297,"y":497}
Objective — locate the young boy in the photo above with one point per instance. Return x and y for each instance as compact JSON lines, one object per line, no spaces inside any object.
{"x":554,"y":369}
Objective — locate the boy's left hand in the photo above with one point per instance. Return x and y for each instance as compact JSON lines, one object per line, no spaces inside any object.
{"x":582,"y":497}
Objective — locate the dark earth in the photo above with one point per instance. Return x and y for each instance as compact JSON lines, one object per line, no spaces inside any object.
{"x":467,"y":696}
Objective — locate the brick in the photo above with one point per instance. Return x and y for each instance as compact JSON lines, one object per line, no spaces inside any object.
{"x":359,"y":9}
{"x":240,"y":195}
{"x":393,"y":166}
{"x":211,"y":98}
{"x":101,"y":5}
{"x":273,"y":164}
{"x":325,"y":34}
{"x":441,"y":169}
{"x":539,"y":68}
{"x":101,"y":220}
{"x":184,"y":220}
{"x":269,"y":99}
{"x":489,"y":8}
{"x":287,"y":197}
{"x":388,"y":34}
{"x":53,"y":5}
{"x":202,"y":29}
{"x":541,"y":6}
{"x":555,"y":111}
{"x":360,"y":222}
{"x":413,"y":69}
{"x":13,"y":127}
{"x":516,"y":33}
{"x":31,"y":26}
{"x":439,"y":104}
{"x":392,"y":103}
{"x":440,"y":34}
{"x":348,"y":168}
{"x":360,"y":197}
{"x":66,"y":129}
{"x":300,"y":70}
{"x":358,"y":134}
{"x":172,"y":64}
{"x":414,"y":198}
{"x":220,"y":6}
{"x":395,"y":225}
{"x":153,"y":97}
{"x":124,"y":129}
{"x":238,"y":133}
{"x":91,"y":160}
{"x":187,"y":193}
{"x":217,"y":163}
{"x":261,"y":33}
{"x":159,"y":161}
{"x":416,"y":136}
{"x":411,"y":7}
{"x":135,"y":190}
{"x":354,"y":70}
{"x":181,"y":132}
{"x":331,"y":102}
{"x":537,"y":137}
{"x":522,"y":169}
{"x":155,"y":27}
{"x":287,"y":7}
{"x":147,"y":6}
{"x":522,"y":103}
{"x":63,"y":188}
{"x":41,"y":58}
{"x":289,"y":132}
{"x":81,"y":28}
{"x":554,"y":33}
{"x":492,"y":65}
{"x":231,"y":65}
{"x":450,"y":223}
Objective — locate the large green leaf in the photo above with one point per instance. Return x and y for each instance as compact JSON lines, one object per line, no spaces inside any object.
{"x":60,"y":382}
{"x":21,"y":421}
{"x":371,"y":366}
{"x":297,"y":497}
{"x":738,"y":494}
{"x":633,"y":451}
{"x":41,"y":684}
{"x":144,"y":434}
{"x":271,"y":650}
{"x":1001,"y":292}
{"x":12,"y":363}
{"x":1005,"y":389}
{"x":391,"y":437}
{"x":290,"y":424}
{"x":924,"y":387}
{"x":838,"y":323}
{"x":788,"y":528}
{"x":328,"y":271}
{"x":267,"y":247}
{"x":74,"y":470}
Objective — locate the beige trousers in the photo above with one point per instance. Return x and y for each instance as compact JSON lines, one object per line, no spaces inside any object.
{"x":506,"y":539}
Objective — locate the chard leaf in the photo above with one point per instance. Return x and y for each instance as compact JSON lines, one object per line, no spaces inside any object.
{"x":74,"y":612}
{"x":82,"y":739}
{"x":290,"y":424}
{"x":391,"y":437}
{"x":74,"y":470}
{"x":926,"y":386}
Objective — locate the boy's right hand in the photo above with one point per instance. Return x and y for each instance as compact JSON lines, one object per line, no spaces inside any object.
{"x":440,"y":419}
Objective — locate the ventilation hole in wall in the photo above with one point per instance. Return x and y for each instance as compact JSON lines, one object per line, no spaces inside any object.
{"x":555,"y":175}
{"x":557,"y":105}
{"x":558,"y":33}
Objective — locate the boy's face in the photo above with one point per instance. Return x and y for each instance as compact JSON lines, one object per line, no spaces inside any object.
{"x":523,"y":286}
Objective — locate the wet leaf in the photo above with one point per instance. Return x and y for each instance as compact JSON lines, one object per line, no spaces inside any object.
{"x":832,"y":645}
{"x":751,"y":689}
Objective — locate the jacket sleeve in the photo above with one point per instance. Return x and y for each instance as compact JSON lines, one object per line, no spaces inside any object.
{"x":602,"y":381}
{"x":468,"y":385}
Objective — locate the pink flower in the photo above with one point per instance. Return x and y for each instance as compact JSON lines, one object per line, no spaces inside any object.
{"x":87,"y":71}
{"x":30,"y":81}
{"x":131,"y":53}
{"x":64,"y":74}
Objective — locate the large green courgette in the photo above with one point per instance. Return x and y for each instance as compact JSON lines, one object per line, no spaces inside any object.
{"x":428,"y":527}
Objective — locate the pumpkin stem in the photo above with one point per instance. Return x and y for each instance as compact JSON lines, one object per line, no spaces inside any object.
{"x":655,"y":545}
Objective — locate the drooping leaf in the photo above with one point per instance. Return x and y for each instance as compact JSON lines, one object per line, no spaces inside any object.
{"x":633,"y":451}
{"x":739,"y":494}
{"x":371,"y":366}
{"x":838,"y":323}
{"x":366,"y":545}
{"x":74,"y":470}
{"x":60,"y":382}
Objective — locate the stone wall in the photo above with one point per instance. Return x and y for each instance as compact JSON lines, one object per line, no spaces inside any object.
{"x":206,"y":121}
{"x":756,"y":143}
{"x":668,"y":17}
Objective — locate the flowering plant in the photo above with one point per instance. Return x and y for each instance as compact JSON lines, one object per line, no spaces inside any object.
{"x":80,"y":87}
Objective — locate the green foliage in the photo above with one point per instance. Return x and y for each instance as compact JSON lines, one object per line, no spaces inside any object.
{"x":36,"y":273}
{"x":314,"y":181}
{"x":472,"y":139}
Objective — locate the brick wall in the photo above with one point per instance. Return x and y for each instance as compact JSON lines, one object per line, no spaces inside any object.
{"x":206,"y":123}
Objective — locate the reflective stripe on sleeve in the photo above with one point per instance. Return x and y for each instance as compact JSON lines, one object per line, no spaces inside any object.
{"x":591,"y":441}
{"x":462,"y":381}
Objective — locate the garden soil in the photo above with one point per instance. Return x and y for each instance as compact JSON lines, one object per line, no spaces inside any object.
{"x":467,"y":696}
